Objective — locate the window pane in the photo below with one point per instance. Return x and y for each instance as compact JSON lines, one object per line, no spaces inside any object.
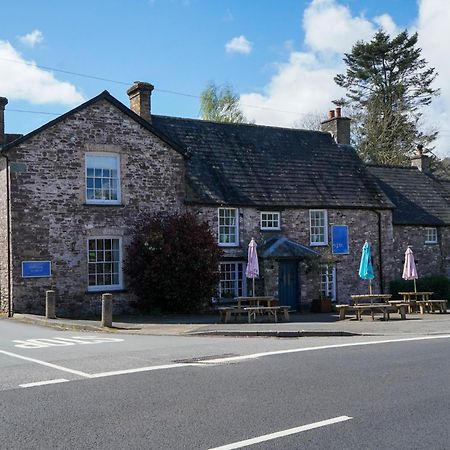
{"x":102,"y":175}
{"x":103,"y":262}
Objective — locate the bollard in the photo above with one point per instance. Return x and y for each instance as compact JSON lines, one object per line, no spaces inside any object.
{"x":107,"y":310}
{"x":50,"y":306}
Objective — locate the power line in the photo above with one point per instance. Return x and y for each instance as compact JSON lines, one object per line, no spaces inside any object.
{"x":124,"y":83}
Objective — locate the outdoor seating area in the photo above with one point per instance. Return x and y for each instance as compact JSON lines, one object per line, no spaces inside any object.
{"x":255,"y":309}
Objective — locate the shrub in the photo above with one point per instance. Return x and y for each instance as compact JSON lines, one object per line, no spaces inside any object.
{"x":438,"y":284}
{"x":172,"y":263}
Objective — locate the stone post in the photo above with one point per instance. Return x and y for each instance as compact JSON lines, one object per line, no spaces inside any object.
{"x":50,"y":305}
{"x":107,"y":310}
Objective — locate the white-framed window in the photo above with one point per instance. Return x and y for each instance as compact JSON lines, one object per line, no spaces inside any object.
{"x":228,"y":227}
{"x":102,"y":178}
{"x":431,"y":236}
{"x":104,"y":263}
{"x":328,"y":281}
{"x":318,"y":227}
{"x":270,"y":220}
{"x":232,"y":279}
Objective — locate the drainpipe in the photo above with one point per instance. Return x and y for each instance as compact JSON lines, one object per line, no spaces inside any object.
{"x":8,"y":233}
{"x":380,"y":246}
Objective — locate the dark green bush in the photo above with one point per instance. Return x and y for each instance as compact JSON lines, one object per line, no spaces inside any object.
{"x":439,"y":284}
{"x":172,"y":263}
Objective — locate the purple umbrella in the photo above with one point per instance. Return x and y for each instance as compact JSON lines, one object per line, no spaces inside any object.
{"x":409,"y":269}
{"x":252,"y":270}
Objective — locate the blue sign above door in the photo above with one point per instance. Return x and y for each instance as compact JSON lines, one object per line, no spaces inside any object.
{"x":339,"y":239}
{"x":36,"y":269}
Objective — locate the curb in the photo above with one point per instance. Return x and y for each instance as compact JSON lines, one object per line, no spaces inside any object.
{"x":51,"y":323}
{"x":274,"y":333}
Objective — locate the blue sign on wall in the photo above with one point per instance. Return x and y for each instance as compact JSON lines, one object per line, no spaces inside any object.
{"x":339,"y":239}
{"x":35,"y":269}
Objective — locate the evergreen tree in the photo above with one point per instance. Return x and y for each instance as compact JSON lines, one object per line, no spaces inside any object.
{"x":220,"y":104}
{"x":388,"y":83}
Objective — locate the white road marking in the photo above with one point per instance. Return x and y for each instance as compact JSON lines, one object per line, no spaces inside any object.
{"x":290,"y":431}
{"x":61,"y":341}
{"x":322,"y":347}
{"x":44,"y":363}
{"x":139,"y":369}
{"x":43,"y":383}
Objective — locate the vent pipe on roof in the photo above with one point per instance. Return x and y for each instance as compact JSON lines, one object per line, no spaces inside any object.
{"x":3,"y":103}
{"x":140,"y":99}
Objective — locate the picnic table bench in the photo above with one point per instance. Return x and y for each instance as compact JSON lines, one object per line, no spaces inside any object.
{"x":432,"y":306}
{"x":385,"y":308}
{"x":253,"y":311}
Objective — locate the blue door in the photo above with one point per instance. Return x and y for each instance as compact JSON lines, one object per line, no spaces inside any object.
{"x":288,"y":283}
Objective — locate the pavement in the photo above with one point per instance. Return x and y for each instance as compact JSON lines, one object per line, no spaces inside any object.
{"x":300,"y":325}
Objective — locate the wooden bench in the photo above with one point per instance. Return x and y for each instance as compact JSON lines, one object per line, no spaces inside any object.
{"x":384,"y":308}
{"x":432,"y":306}
{"x":225,"y":313}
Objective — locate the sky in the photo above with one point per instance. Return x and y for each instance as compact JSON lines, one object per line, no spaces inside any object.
{"x":280,"y":56}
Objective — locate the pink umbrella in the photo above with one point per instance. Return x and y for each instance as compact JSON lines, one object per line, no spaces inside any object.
{"x":409,"y":269}
{"x":252,"y":270}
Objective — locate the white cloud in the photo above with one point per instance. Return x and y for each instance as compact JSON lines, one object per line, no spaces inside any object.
{"x":22,"y":80}
{"x":33,"y":38}
{"x":239,"y":44}
{"x":432,"y":26}
{"x":304,"y":84}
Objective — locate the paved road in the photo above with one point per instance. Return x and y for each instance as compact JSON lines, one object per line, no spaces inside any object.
{"x":142,"y":392}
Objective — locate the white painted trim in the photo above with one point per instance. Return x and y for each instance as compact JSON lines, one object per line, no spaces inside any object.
{"x":113,"y":287}
{"x":325,"y":242}
{"x":236,"y":244}
{"x":119,"y":181}
{"x":279,"y":434}
{"x":426,"y":235}
{"x":270,"y":228}
{"x":244,"y":278}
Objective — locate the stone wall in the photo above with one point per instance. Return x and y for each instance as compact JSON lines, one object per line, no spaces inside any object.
{"x":3,"y":237}
{"x":363,"y":224}
{"x":432,"y":259}
{"x":50,"y":217}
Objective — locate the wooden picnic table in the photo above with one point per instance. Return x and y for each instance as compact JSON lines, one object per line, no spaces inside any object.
{"x":356,"y":299}
{"x":412,"y":297}
{"x":256,"y":301}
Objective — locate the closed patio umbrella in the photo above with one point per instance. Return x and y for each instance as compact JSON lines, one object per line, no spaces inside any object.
{"x":409,"y":268}
{"x":365,"y":267}
{"x":252,"y":270}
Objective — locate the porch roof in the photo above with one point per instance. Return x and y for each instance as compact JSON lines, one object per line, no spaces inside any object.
{"x":283,"y":247}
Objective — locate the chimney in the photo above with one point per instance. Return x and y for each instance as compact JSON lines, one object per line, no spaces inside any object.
{"x":337,"y":125}
{"x":421,"y":161}
{"x":140,"y":99}
{"x":3,"y":103}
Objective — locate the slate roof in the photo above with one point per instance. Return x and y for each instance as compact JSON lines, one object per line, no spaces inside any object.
{"x":419,"y":198}
{"x":241,"y":164}
{"x":14,"y":140}
{"x":282,"y":247}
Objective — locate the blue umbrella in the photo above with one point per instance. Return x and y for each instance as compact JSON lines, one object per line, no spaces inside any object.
{"x":365,"y":267}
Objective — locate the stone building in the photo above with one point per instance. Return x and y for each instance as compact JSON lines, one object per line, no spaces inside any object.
{"x":70,"y":189}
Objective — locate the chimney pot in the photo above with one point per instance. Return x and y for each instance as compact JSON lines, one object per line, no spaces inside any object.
{"x":420,"y":149}
{"x":140,"y":99}
{"x":338,"y":111}
{"x":331,"y":114}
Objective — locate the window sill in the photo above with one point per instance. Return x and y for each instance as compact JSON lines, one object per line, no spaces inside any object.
{"x":431,"y":243}
{"x":107,"y":291}
{"x":315,"y":244}
{"x":270,"y":229}
{"x":103,"y":204}
{"x":229,"y":245}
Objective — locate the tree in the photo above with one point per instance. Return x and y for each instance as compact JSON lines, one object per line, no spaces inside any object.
{"x":172,"y":263}
{"x":311,"y":121}
{"x":220,"y":104}
{"x":388,"y":83}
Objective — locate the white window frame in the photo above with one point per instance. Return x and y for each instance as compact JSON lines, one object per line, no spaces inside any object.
{"x":101,"y":201}
{"x":327,"y":267}
{"x":274,"y":213}
{"x":244,"y":279}
{"x":109,"y":287}
{"x":236,"y":234}
{"x":325,"y":241}
{"x":433,"y":231}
